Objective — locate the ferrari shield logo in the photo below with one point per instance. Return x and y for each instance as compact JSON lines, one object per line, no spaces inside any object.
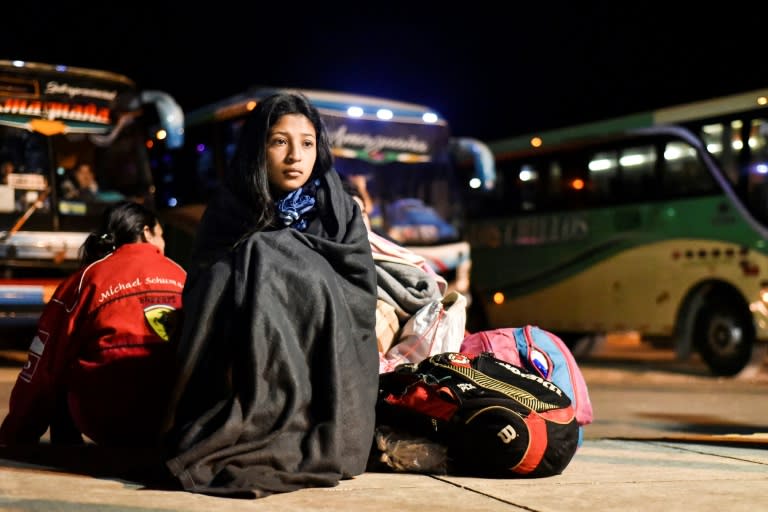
{"x":161,"y":319}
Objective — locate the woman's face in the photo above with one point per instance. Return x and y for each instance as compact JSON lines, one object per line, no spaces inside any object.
{"x":155,"y":237}
{"x":291,"y":152}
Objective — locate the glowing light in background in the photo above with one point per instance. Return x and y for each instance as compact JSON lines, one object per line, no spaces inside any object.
{"x":355,"y":112}
{"x":429,"y":117}
{"x":526,"y":174}
{"x":601,"y":164}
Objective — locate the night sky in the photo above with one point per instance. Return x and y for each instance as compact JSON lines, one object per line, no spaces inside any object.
{"x":493,"y":72}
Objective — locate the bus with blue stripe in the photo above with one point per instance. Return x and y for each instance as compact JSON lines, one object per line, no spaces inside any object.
{"x":656,"y":222}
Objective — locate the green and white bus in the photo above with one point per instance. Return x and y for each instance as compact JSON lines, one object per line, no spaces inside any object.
{"x":53,"y":118}
{"x":655,"y":222}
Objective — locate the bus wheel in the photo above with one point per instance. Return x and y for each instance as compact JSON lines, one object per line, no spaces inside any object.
{"x":724,"y":336}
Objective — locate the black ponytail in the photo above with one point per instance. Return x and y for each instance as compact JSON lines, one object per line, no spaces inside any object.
{"x":122,"y":223}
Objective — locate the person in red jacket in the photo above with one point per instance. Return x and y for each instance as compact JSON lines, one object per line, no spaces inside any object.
{"x":101,"y":361}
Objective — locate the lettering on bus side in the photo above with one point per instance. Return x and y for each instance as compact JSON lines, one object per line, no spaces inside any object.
{"x":342,"y":137}
{"x":72,"y":91}
{"x":56,"y":110}
{"x":530,"y":231}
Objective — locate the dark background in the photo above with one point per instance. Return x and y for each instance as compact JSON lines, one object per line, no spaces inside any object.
{"x":494,"y":69}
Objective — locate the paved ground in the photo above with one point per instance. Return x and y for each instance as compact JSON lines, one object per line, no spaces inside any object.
{"x":605,"y":475}
{"x":624,"y":464}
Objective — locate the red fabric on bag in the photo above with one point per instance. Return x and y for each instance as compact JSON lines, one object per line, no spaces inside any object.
{"x":426,"y":399}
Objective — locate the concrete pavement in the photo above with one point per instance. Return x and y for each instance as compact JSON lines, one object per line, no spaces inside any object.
{"x":605,"y":475}
{"x":626,"y":463}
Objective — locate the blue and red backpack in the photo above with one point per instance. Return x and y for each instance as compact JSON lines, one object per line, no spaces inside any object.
{"x":541,"y":352}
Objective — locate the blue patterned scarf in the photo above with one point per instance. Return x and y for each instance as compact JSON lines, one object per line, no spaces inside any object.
{"x":296,"y":207}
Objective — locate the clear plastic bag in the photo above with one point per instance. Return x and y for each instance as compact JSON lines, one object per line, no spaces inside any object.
{"x":438,"y":327}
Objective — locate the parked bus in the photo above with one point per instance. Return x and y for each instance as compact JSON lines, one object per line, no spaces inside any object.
{"x":58,"y":126}
{"x":655,"y":222}
{"x":403,"y":153}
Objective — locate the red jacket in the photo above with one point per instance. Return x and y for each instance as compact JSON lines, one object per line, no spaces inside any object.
{"x":104,"y":338}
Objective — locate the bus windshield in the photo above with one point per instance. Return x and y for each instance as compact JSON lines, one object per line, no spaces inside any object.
{"x":35,"y":163}
{"x":740,"y":146}
{"x":72,"y":141}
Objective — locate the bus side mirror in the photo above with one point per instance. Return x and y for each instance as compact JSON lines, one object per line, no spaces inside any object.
{"x":171,"y":116}
{"x":482,"y":157}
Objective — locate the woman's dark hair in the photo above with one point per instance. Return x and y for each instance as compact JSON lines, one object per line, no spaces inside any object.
{"x":247,"y":175}
{"x":122,"y":223}
{"x":351,"y":189}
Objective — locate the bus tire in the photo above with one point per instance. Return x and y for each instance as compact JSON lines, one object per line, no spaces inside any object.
{"x":724,"y":335}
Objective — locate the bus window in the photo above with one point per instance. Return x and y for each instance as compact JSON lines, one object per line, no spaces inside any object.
{"x":638,"y":171}
{"x":529,"y":179}
{"x":604,"y":176}
{"x":757,"y":170}
{"x":718,"y":139}
{"x":527,"y":187}
{"x":576,"y":187}
{"x":684,"y":174}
